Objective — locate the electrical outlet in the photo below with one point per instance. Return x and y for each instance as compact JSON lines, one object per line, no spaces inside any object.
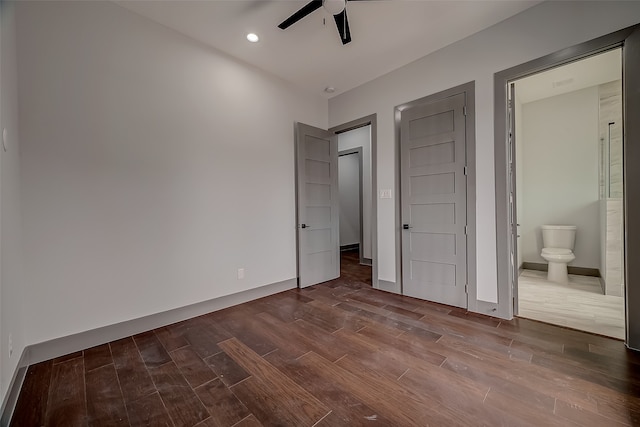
{"x":10,"y":345}
{"x":241,"y":273}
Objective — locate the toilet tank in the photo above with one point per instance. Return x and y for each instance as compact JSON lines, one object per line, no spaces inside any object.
{"x":559,"y":236}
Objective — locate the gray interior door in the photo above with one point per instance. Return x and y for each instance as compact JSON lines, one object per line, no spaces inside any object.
{"x":317,"y":205}
{"x":433,"y":193}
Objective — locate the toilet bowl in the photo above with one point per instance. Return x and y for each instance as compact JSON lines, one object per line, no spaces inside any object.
{"x":558,"y":260}
{"x":558,"y":243}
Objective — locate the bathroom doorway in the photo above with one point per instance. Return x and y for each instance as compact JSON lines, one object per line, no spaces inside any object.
{"x":566,"y":124}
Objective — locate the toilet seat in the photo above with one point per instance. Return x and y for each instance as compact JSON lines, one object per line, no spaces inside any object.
{"x":558,"y":255}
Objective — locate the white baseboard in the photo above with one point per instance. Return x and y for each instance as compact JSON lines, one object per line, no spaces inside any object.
{"x":11,"y":398}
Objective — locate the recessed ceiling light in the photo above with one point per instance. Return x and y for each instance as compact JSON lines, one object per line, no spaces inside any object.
{"x":329,"y":89}
{"x":253,"y":38}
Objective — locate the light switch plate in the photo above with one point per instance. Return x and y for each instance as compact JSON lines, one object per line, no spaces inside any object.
{"x":385,"y":194}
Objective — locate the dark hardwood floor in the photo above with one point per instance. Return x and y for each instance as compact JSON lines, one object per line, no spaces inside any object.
{"x":340,"y":354}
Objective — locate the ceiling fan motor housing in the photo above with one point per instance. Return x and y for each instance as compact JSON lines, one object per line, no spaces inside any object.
{"x":334,"y":7}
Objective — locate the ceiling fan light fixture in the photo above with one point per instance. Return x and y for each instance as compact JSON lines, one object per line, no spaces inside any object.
{"x":334,"y":7}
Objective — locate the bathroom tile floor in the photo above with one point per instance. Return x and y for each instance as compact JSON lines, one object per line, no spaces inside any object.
{"x":579,"y":305}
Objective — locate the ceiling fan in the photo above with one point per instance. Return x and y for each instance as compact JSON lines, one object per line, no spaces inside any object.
{"x":334,"y":7}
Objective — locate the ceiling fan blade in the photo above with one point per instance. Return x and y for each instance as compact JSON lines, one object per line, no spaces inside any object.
{"x":342,"y":22}
{"x":307,"y":9}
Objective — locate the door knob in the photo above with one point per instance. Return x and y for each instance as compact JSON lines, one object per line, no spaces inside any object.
{"x":406,"y":226}
{"x":303,"y":226}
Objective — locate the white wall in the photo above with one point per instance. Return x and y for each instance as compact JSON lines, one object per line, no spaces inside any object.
{"x":153,"y":168}
{"x":356,"y":138}
{"x":536,"y":32}
{"x":560,"y":173}
{"x":11,"y":277}
{"x":349,"y":187}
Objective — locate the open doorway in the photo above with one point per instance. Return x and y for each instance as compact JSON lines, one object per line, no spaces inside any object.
{"x":568,"y":190}
{"x":355,"y":187}
{"x":318,"y":207}
{"x":506,"y":225}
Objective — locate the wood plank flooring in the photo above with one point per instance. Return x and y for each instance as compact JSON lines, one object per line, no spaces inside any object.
{"x":340,"y":354}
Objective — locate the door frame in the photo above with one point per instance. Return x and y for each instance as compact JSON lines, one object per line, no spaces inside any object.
{"x":631,"y":149}
{"x":358,"y":151}
{"x":370,"y":120}
{"x":511,"y":134}
{"x":470,"y":127}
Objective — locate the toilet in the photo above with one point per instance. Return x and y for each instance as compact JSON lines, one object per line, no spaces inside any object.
{"x":558,"y":241}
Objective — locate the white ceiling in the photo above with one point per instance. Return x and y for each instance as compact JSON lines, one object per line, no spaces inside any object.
{"x":387,"y":34}
{"x":595,"y":70}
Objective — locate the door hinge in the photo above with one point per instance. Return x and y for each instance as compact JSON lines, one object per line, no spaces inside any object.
{"x":466,"y":170}
{"x":464,"y":110}
{"x":466,"y":288}
{"x":466,"y":229}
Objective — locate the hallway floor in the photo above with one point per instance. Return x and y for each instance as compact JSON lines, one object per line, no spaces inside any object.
{"x":579,"y":305}
{"x":352,"y":270}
